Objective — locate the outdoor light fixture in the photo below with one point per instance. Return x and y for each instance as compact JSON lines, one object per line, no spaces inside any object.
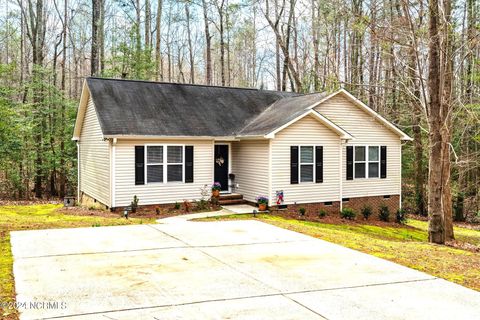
{"x":255,"y":213}
{"x":125,"y":213}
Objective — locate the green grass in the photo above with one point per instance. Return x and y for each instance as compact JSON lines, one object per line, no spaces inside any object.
{"x":42,"y":216}
{"x":405,"y":245}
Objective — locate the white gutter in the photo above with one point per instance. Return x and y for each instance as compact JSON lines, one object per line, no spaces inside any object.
{"x":78,"y":173}
{"x":113,"y":144}
{"x":341,"y":173}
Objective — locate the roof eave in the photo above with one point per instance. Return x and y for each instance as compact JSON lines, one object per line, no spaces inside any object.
{"x":164,"y":137}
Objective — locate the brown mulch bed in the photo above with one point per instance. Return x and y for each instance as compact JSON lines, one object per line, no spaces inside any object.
{"x":28,"y":202}
{"x":141,"y":212}
{"x":336,"y":219}
{"x":80,"y":211}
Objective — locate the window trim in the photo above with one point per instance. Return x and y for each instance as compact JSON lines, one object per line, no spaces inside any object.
{"x":366,"y":161}
{"x":164,"y":162}
{"x":300,"y":163}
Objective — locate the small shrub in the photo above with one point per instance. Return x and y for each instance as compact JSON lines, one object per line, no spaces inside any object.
{"x":177,"y":206}
{"x":134,"y":204}
{"x":366,"y":212}
{"x":401,"y":216}
{"x":348,"y":213}
{"x":302,"y":211}
{"x":202,"y":204}
{"x":322,"y":213}
{"x":384,"y":213}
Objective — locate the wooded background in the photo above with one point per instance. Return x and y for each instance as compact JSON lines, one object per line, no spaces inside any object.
{"x":415,"y":62}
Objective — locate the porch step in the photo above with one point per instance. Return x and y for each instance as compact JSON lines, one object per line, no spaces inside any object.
{"x":232,"y":198}
{"x":233,"y":201}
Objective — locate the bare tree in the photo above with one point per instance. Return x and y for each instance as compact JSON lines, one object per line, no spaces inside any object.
{"x":96,"y":20}
{"x":158,"y":38}
{"x":190,"y":46}
{"x":208,"y":45}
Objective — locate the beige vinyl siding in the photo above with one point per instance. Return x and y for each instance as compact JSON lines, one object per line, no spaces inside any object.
{"x":367,"y":131}
{"x":306,"y":131}
{"x":158,"y":193}
{"x":250,"y":166}
{"x":94,"y":158}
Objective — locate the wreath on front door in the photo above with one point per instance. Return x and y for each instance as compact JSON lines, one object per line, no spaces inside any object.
{"x":220,"y":161}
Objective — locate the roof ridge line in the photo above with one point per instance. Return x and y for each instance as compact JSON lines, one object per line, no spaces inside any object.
{"x":195,"y":85}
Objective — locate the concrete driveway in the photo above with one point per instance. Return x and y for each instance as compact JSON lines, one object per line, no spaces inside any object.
{"x":218,"y":270}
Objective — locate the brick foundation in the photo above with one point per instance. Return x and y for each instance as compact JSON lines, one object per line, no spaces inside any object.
{"x":393,"y":203}
{"x":313,"y":208}
{"x":355,"y":203}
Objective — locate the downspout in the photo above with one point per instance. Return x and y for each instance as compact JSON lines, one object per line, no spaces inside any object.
{"x":341,"y":174}
{"x":113,"y":143}
{"x":400,"y":186}
{"x":78,"y":172}
{"x":270,"y":194}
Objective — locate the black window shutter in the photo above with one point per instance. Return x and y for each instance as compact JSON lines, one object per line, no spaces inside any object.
{"x":188,"y":164}
{"x":293,"y":165}
{"x":349,"y":162}
{"x":318,"y":164}
{"x":383,"y":162}
{"x":139,"y":165}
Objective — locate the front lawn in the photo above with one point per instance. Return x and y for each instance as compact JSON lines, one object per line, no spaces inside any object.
{"x":44,"y":216}
{"x":405,"y":245}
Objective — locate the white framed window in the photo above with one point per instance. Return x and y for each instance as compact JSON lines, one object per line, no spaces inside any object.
{"x":175,"y":163}
{"x":164,"y":163}
{"x":307,"y":163}
{"x":366,"y":162}
{"x":154,"y":164}
{"x":373,"y":161}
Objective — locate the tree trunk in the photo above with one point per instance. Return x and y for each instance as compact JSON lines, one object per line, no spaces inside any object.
{"x":208,"y":40}
{"x":447,"y":109}
{"x":101,"y":35}
{"x":94,"y":56}
{"x":222,"y":40}
{"x":436,"y":226}
{"x":190,"y":47}
{"x":158,"y":54}
{"x":148,"y":24}
{"x":315,"y":40}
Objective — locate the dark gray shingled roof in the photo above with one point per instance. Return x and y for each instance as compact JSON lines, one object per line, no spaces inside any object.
{"x":128,"y":107}
{"x":279,"y":113}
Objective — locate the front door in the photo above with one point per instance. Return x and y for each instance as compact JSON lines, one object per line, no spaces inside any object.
{"x":221,"y":165}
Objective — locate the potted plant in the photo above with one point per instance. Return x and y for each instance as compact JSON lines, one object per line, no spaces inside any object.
{"x":262,"y":203}
{"x":216,"y":187}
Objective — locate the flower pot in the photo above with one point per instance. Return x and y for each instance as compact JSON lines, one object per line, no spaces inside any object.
{"x":262,"y":206}
{"x":215,"y":193}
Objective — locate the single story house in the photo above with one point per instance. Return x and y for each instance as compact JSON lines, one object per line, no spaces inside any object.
{"x":163,"y":142}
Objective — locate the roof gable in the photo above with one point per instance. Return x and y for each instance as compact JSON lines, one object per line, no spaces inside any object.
{"x":358,"y":103}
